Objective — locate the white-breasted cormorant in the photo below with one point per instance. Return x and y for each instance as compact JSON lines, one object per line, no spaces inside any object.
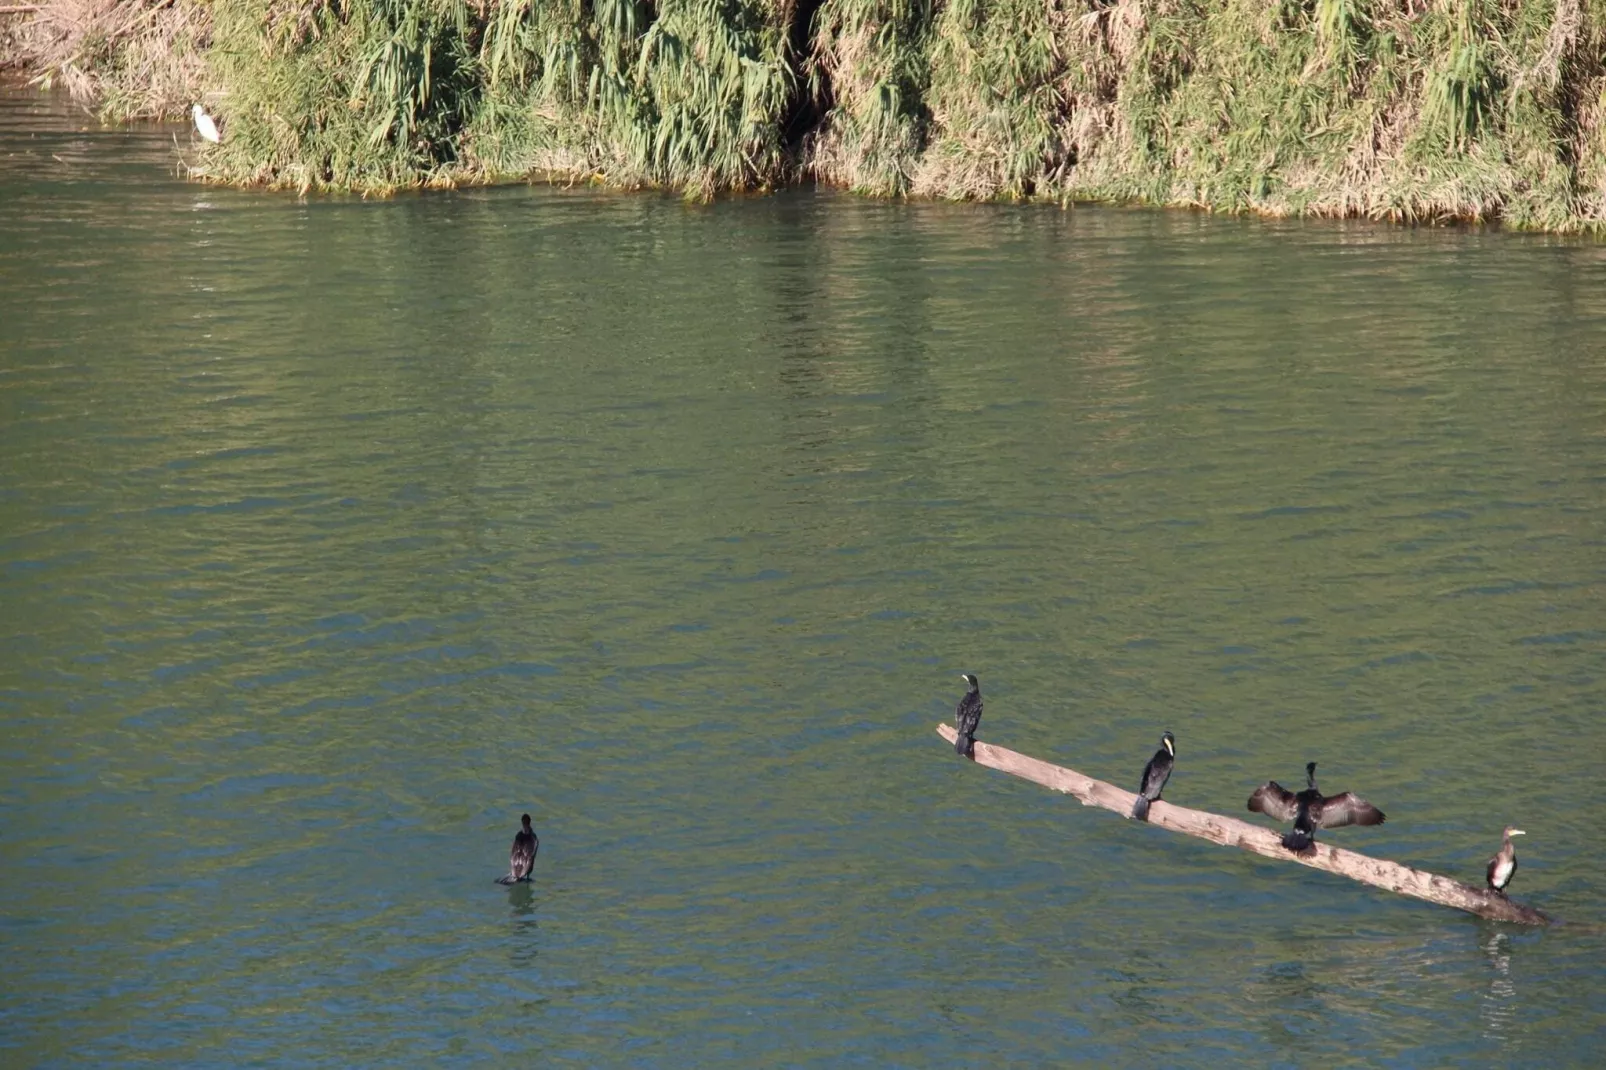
{"x":521,"y":859}
{"x":967,"y":717}
{"x":1503,"y":866}
{"x":1311,"y":810}
{"x":1155,"y":774}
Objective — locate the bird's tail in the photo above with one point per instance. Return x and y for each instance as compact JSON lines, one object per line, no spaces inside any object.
{"x":965,"y":745}
{"x":1140,"y":809}
{"x":509,"y":879}
{"x":1300,"y":842}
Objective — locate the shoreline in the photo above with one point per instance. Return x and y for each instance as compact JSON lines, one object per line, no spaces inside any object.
{"x":1216,"y":107}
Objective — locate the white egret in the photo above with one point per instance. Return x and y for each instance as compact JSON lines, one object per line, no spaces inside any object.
{"x":204,"y":124}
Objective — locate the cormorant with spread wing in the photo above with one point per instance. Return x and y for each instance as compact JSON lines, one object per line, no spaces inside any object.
{"x":1155,"y":774}
{"x":967,"y":717}
{"x":1503,"y":866}
{"x":521,"y":859}
{"x":1311,"y":810}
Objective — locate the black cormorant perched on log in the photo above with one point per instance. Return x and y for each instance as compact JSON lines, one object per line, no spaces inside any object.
{"x":521,"y":859}
{"x":1155,"y":774}
{"x":967,"y":717}
{"x":1503,"y":866}
{"x":1311,"y":810}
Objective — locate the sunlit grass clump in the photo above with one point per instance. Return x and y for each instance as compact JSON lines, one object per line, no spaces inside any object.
{"x":377,"y":94}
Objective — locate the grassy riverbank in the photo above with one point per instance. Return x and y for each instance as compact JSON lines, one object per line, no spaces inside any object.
{"x":1400,"y":109}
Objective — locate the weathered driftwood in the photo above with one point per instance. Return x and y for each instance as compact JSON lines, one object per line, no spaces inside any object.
{"x":1258,"y":839}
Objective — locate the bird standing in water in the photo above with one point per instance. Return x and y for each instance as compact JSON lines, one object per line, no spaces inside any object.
{"x":967,"y":717}
{"x":1503,"y":866}
{"x":1155,"y":774}
{"x":521,"y":859}
{"x":1311,"y":810}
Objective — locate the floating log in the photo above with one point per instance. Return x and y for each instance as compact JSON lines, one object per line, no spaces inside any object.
{"x":1258,"y":839}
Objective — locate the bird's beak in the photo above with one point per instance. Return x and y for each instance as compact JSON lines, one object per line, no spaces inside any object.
{"x":1518,"y":832}
{"x":1170,"y":748}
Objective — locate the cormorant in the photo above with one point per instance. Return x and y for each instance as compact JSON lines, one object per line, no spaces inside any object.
{"x":967,"y":717}
{"x":1503,"y":866}
{"x":1155,"y":774}
{"x":521,"y":859}
{"x":1311,"y":810}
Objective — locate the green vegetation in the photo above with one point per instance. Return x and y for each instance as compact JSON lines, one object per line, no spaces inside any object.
{"x":1400,"y":109}
{"x":384,"y":93}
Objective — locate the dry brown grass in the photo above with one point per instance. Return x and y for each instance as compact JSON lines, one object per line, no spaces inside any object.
{"x":131,"y":59}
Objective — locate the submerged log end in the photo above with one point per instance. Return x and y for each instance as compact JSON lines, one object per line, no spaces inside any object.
{"x":1496,"y":907}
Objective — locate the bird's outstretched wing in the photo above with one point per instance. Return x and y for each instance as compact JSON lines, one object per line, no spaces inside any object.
{"x":1347,"y":809}
{"x":1274,"y":800}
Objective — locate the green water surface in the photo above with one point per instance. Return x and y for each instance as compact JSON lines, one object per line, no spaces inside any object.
{"x":336,"y":534}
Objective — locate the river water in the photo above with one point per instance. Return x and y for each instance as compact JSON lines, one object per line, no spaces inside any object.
{"x":336,"y":534}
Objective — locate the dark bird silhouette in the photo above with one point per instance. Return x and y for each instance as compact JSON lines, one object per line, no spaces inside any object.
{"x":967,"y":717}
{"x":521,"y":859}
{"x":1311,"y":810}
{"x":1503,"y":866}
{"x":1155,"y":774}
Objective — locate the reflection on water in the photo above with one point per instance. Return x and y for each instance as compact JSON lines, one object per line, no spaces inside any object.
{"x":1297,"y":1002}
{"x":334,"y":533}
{"x":1498,"y":1009}
{"x":525,"y":932}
